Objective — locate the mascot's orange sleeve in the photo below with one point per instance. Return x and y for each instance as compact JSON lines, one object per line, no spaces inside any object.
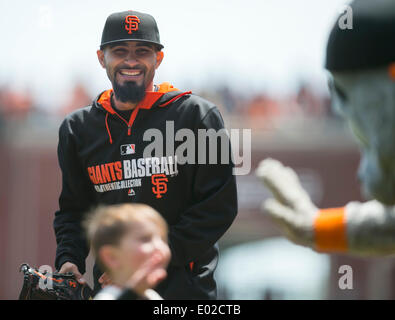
{"x":330,"y":230}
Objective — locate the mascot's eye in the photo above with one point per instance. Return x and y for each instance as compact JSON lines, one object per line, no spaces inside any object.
{"x":335,"y":89}
{"x":340,"y":93}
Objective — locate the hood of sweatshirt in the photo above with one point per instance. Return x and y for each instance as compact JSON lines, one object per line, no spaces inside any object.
{"x":165,"y":95}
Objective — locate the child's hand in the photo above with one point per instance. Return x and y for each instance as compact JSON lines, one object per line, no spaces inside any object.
{"x":148,"y":275}
{"x":104,"y":280}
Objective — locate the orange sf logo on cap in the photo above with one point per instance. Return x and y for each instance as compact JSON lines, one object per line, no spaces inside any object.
{"x":132,"y":23}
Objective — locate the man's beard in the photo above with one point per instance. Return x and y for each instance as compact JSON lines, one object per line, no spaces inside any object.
{"x":129,"y":92}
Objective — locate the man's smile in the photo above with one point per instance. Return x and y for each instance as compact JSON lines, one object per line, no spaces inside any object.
{"x":130,"y":74}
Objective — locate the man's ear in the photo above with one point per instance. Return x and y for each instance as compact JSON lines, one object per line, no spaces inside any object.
{"x":108,"y":256}
{"x":100,"y":57}
{"x":159,"y":58}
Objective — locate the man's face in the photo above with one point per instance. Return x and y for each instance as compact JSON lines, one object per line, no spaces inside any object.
{"x":130,"y":66}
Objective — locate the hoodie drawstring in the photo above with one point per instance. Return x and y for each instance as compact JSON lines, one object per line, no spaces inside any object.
{"x":108,"y":129}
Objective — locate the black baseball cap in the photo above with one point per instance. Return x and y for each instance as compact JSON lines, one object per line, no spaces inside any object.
{"x":371,"y":41}
{"x":130,"y":26}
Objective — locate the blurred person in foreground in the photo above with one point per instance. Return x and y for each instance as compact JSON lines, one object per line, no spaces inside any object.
{"x":125,"y":148}
{"x":130,"y":243}
{"x":362,"y":83}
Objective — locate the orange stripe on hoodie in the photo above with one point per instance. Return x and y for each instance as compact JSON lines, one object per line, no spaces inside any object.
{"x":330,"y":230}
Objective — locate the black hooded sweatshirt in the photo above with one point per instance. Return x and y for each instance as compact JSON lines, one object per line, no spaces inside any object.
{"x":101,"y":158}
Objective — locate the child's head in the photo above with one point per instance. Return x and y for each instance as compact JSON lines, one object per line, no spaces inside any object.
{"x":124,"y":236}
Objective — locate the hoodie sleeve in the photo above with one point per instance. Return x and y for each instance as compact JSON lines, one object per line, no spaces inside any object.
{"x":74,"y":201}
{"x":214,"y":206}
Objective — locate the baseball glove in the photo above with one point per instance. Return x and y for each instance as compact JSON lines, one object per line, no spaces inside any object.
{"x":55,"y":286}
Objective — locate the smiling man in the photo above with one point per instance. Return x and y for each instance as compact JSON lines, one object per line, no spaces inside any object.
{"x":101,"y":155}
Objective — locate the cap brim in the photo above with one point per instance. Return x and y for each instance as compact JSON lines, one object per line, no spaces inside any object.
{"x":123,"y":40}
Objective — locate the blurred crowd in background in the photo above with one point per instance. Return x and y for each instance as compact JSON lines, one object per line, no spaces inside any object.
{"x":20,"y":106}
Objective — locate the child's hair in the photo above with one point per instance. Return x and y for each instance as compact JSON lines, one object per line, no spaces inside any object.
{"x":107,"y":225}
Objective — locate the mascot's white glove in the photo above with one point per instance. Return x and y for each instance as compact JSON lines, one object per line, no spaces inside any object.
{"x":291,"y":207}
{"x":360,"y":228}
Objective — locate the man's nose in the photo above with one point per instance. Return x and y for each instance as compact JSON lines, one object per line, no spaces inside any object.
{"x":131,"y":59}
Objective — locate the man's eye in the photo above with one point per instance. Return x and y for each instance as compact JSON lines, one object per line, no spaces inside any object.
{"x":142,"y":51}
{"x":119,"y":51}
